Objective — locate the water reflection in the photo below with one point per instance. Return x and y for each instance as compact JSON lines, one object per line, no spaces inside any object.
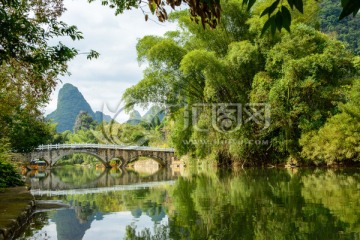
{"x":106,"y":214}
{"x":251,"y":204}
{"x":76,"y":177}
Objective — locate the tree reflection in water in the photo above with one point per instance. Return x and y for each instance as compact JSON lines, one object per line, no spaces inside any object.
{"x":261,"y":204}
{"x":251,"y":204}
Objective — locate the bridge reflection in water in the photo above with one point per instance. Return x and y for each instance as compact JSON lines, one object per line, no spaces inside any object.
{"x":59,"y":182}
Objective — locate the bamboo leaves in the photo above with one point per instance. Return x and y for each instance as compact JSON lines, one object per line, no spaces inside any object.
{"x":282,"y":18}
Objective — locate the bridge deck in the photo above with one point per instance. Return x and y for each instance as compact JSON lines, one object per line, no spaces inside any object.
{"x":101,"y":146}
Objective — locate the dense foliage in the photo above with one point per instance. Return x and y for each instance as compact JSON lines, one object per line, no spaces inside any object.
{"x":30,"y":63}
{"x":288,"y":85}
{"x":21,"y":122}
{"x":9,"y":176}
{"x":339,"y":138}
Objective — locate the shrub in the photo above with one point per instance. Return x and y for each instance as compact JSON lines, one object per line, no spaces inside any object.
{"x":9,"y":176}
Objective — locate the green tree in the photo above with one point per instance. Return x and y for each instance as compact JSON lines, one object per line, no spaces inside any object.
{"x":338,"y":141}
{"x":84,"y":121}
{"x":28,"y":132}
{"x":20,"y":120}
{"x":307,"y":76}
{"x":299,"y":75}
{"x":82,"y":136}
{"x":9,"y":175}
{"x":24,"y":36}
{"x":30,"y":66}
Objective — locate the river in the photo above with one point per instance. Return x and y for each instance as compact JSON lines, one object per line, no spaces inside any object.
{"x":194,"y":204}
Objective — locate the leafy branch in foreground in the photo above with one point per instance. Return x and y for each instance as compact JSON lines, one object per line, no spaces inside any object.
{"x":208,"y":12}
{"x":30,"y":64}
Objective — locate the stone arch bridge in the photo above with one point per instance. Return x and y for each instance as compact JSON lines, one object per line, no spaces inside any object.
{"x":104,"y":152}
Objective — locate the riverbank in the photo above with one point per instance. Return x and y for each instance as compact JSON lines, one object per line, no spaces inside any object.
{"x":17,"y":205}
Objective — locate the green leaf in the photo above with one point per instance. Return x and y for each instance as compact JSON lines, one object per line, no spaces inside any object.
{"x":291,"y":3}
{"x":273,"y":7}
{"x":286,"y":18}
{"x":266,"y":11}
{"x":278,"y":20}
{"x":356,"y":10}
{"x":269,"y":23}
{"x":299,"y":5}
{"x":345,"y":2}
{"x":250,"y":4}
{"x":92,"y":54}
{"x":349,"y":7}
{"x":273,"y":25}
{"x":287,"y":28}
{"x":266,"y":26}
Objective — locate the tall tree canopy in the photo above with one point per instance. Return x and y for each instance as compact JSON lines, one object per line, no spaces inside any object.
{"x":300,"y":76}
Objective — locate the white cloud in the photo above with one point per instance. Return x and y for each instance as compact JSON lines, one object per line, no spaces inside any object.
{"x":103,"y":80}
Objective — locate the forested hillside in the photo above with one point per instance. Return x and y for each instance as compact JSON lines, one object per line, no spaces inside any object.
{"x":346,"y":30}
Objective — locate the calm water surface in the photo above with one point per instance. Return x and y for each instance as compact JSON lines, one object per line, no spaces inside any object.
{"x":246,"y":204}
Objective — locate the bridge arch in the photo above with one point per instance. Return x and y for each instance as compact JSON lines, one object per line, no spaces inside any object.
{"x":66,"y":153}
{"x":118,"y":160}
{"x":157,"y":159}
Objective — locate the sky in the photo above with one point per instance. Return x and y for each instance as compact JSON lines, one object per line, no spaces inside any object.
{"x":102,"y":81}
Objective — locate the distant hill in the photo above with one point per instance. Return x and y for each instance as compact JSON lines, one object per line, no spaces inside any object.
{"x":70,"y":103}
{"x":154,"y":112}
{"x":134,"y":118}
{"x":99,"y":116}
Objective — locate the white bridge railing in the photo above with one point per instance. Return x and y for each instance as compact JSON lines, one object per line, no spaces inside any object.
{"x":103,"y":146}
